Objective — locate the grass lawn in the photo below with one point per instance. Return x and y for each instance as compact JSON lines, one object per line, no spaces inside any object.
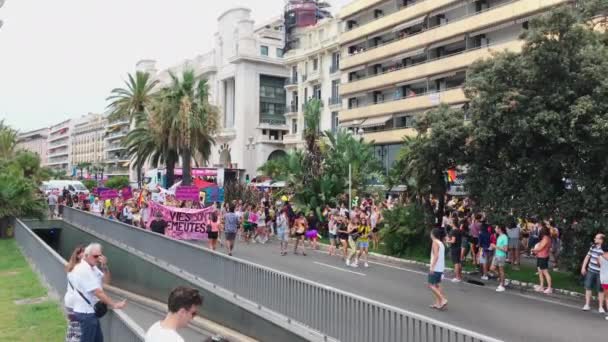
{"x":526,"y":273}
{"x":29,"y":322}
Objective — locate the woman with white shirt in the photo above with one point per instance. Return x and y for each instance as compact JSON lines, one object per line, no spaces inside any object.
{"x":73,"y":333}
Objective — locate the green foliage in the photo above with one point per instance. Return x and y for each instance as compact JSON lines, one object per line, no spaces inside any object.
{"x":405,"y":230}
{"x":234,"y":191}
{"x":90,"y":184}
{"x":8,"y":140}
{"x":424,"y":159}
{"x":117,"y":182}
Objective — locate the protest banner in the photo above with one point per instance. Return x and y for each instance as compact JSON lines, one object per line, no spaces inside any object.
{"x":187,"y":193}
{"x":108,"y":194}
{"x":126,"y":193}
{"x":182,"y":223}
{"x":213,"y":195}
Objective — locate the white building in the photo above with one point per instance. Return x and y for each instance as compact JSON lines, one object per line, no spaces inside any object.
{"x":246,"y":75}
{"x":59,"y":146}
{"x":117,"y":163}
{"x":313,"y":64}
{"x":34,"y":141}
{"x":88,"y":139}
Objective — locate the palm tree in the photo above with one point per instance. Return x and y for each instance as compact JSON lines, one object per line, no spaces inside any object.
{"x":8,"y":140}
{"x":188,"y":119}
{"x":312,"y":119}
{"x":82,"y":167}
{"x":132,"y":102}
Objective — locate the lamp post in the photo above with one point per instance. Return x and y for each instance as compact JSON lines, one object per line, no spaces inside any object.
{"x":357,"y":133}
{"x":250,"y":146}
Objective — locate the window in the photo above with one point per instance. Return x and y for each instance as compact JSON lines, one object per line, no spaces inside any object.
{"x":406,"y":121}
{"x":315,"y":64}
{"x":316,"y":91}
{"x":264,"y":50}
{"x":334,"y":122}
{"x":335,"y":89}
{"x":279,"y":53}
{"x":294,"y":126}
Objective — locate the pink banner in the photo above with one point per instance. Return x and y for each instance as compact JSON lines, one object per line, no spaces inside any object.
{"x":126,"y":193}
{"x":198,"y":172}
{"x":107,"y":194}
{"x":182,"y":224}
{"x":187,"y":193}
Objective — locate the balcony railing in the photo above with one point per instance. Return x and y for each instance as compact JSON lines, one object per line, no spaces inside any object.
{"x":304,"y":78}
{"x":291,"y":81}
{"x":116,"y":134}
{"x":332,"y":101}
{"x":272,"y":122}
{"x":466,"y":16}
{"x":293,"y":108}
{"x":400,"y":7}
{"x":402,"y":97}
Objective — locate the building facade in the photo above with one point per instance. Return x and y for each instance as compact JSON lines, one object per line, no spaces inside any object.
{"x":117,"y":162}
{"x":88,"y":140}
{"x":313,"y":65}
{"x":59,"y":146}
{"x":35,"y":141}
{"x":402,"y":58}
{"x":246,"y":76}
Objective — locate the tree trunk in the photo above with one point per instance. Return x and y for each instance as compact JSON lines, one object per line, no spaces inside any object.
{"x":139,"y":185}
{"x":170,"y":165}
{"x":186,"y":167}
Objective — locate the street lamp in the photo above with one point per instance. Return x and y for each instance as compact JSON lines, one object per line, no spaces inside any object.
{"x":357,"y":133}
{"x":250,"y":145}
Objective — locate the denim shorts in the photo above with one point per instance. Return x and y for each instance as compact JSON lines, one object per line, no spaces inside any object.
{"x":282,"y":235}
{"x":363,"y":244}
{"x":435,"y":278}
{"x":499,"y":261}
{"x":592,"y":282}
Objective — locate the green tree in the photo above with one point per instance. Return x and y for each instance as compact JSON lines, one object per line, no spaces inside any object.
{"x":188,"y":119}
{"x":82,"y":167}
{"x":117,"y":182}
{"x":540,"y":129}
{"x":404,"y":232}
{"x":8,"y":140}
{"x":90,"y":184}
{"x":132,"y":102}
{"x":424,"y":159}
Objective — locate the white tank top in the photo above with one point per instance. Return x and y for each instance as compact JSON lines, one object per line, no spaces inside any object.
{"x":440,"y":265}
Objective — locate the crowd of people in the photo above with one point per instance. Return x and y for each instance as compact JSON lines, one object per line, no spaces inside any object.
{"x":462,"y":235}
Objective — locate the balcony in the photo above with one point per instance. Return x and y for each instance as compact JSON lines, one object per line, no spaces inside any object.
{"x":58,"y":153}
{"x":427,"y":68}
{"x":404,"y":105}
{"x":389,"y":136}
{"x":57,"y":162}
{"x":292,"y":139}
{"x":116,"y":135}
{"x":313,"y":76}
{"x":395,"y":19}
{"x":475,"y":21}
{"x":334,"y":101}
{"x":291,"y":82}
{"x":304,"y":78}
{"x":357,"y":6}
{"x":114,"y":147}
{"x":265,"y":139}
{"x":57,"y":143}
{"x":117,"y":171}
{"x":291,"y":110}
{"x":58,"y":137}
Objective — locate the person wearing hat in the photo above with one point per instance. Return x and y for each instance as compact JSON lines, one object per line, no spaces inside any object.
{"x":158,"y":225}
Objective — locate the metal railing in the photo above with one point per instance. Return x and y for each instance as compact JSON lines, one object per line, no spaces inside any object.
{"x":291,"y":81}
{"x":335,"y":313}
{"x":116,"y":325}
{"x":332,"y":101}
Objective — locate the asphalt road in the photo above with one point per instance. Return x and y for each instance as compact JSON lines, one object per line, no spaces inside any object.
{"x":509,"y":316}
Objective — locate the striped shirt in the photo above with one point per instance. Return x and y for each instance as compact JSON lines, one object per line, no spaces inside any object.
{"x":595,"y":252}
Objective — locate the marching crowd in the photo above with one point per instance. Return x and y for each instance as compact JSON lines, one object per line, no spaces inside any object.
{"x":462,"y":236}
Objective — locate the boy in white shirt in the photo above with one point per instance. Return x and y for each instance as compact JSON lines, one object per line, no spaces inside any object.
{"x":183,"y":305}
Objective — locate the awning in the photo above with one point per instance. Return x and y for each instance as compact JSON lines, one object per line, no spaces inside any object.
{"x":409,"y":24}
{"x":352,"y":123}
{"x":408,"y":54}
{"x":444,"y":75}
{"x":376,"y":122}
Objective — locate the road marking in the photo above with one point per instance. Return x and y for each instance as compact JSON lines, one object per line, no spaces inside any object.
{"x":398,"y":268}
{"x":339,"y":268}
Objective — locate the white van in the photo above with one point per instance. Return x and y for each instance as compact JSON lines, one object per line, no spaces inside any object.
{"x":57,"y":186}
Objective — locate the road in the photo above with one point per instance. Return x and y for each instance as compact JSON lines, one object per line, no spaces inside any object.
{"x":509,"y":316}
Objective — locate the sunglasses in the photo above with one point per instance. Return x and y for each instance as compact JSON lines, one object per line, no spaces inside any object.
{"x":96,"y":256}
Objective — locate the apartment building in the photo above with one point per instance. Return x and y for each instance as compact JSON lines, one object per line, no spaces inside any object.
{"x":88,"y":140}
{"x":401,"y":58}
{"x":59,"y":146}
{"x":35,"y":141}
{"x":246,"y":77}
{"x":117,"y":162}
{"x":313,"y":64}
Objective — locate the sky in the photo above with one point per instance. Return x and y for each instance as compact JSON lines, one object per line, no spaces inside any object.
{"x":60,"y":59}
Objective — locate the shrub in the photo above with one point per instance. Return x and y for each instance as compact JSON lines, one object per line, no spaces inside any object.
{"x":405,"y":230}
{"x":89,"y":183}
{"x":117,"y":182}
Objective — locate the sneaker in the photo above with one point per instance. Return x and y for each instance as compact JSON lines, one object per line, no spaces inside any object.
{"x":456,"y":280}
{"x":366,"y":265}
{"x":607,"y":318}
{"x":485,"y":277}
{"x":601,"y":310}
{"x":500,"y":289}
{"x":354,"y":265}
{"x":347,"y":262}
{"x":586,"y":307}
{"x":538,"y":288}
{"x":548,"y":291}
